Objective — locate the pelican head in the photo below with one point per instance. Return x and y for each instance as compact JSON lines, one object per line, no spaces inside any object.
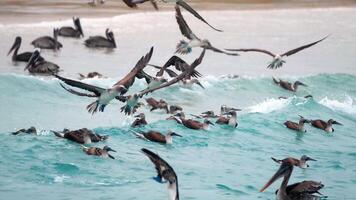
{"x":284,"y":169}
{"x":331,"y":121}
{"x":33,"y":59}
{"x":16,"y":44}
{"x":78,"y":26}
{"x":141,"y":116}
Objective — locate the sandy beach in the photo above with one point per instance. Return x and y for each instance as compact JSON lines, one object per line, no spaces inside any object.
{"x":24,"y":11}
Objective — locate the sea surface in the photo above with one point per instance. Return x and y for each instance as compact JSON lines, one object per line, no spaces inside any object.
{"x":220,"y":163}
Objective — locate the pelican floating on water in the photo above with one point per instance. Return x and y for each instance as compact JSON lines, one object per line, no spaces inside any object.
{"x":95,"y":151}
{"x":193,"y":124}
{"x":305,"y":190}
{"x":82,"y":136}
{"x":156,"y":136}
{"x":164,"y":172}
{"x":140,"y":120}
{"x":302,"y":162}
{"x":31,"y":130}
{"x":231,"y":121}
{"x":100,"y":41}
{"x":47,"y":42}
{"x":75,"y":32}
{"x":288,"y":85}
{"x":37,"y":65}
{"x":22,"y":57}
{"x":326,"y":126}
{"x":297,"y":126}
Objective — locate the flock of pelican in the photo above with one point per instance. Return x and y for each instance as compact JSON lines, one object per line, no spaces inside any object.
{"x":185,"y":73}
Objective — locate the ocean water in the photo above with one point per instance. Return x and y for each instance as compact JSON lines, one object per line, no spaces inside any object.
{"x":219,"y":163}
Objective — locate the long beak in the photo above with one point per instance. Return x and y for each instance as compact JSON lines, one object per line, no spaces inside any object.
{"x":14,"y":46}
{"x":110,"y":149}
{"x":236,"y":109}
{"x":303,"y":84}
{"x":175,"y":134}
{"x":79,"y":26}
{"x":32,"y":60}
{"x":283,"y":169}
{"x":338,"y":123}
{"x":311,"y":159}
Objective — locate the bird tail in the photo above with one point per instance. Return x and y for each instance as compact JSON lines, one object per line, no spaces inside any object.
{"x":275,"y":80}
{"x":127,"y":110}
{"x":93,"y":107}
{"x":137,"y":134}
{"x":183,"y":47}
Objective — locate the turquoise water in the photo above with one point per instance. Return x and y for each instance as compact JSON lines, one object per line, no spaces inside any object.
{"x":221,"y":163}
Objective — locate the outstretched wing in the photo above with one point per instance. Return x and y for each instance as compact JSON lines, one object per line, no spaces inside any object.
{"x":254,"y":49}
{"x":183,"y":26}
{"x":78,"y":93}
{"x":95,"y":89}
{"x":291,"y":52}
{"x":221,"y":51}
{"x":195,"y":13}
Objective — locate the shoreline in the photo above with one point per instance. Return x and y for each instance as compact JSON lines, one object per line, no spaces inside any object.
{"x":20,"y":11}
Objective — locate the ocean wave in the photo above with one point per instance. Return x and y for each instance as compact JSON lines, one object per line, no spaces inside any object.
{"x":269,"y":105}
{"x":346,"y":106}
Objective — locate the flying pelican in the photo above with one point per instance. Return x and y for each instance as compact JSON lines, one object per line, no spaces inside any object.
{"x":95,"y":151}
{"x":302,"y":162}
{"x":104,"y":96}
{"x":37,"y":65}
{"x":298,"y":191}
{"x":156,"y":136}
{"x":288,"y":85}
{"x":22,"y":57}
{"x":278,"y":61}
{"x":68,"y":31}
{"x":297,"y":126}
{"x":100,"y":41}
{"x":184,"y":47}
{"x":166,"y":172}
{"x":140,"y":120}
{"x":326,"y":126}
{"x":47,"y":42}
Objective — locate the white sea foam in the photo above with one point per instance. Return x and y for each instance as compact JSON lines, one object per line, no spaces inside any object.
{"x":346,"y":106}
{"x":269,"y":105}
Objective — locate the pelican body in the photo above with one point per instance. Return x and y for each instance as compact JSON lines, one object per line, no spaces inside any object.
{"x":81,"y":136}
{"x":289,"y":86}
{"x":22,"y":57}
{"x":47,"y":42}
{"x":37,"y":65}
{"x":95,"y":151}
{"x":140,"y":120}
{"x":100,"y":41}
{"x":75,"y":32}
{"x":326,"y":126}
{"x":192,"y":124}
{"x":31,"y":130}
{"x":158,"y":137}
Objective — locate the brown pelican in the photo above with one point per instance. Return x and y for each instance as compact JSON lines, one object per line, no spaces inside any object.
{"x":298,"y":191}
{"x":192,"y":124}
{"x":104,"y":96}
{"x":231,"y":121}
{"x":326,"y":126}
{"x":186,"y":6}
{"x":164,"y":172}
{"x":161,"y":104}
{"x":100,"y":41}
{"x":156,"y":136}
{"x":132,"y":100}
{"x":302,"y":162}
{"x":133,"y":3}
{"x":68,"y":31}
{"x":47,"y":42}
{"x":37,"y":66}
{"x":297,"y":126}
{"x":278,"y":61}
{"x":22,"y":57}
{"x":287,"y":85}
{"x":82,"y":136}
{"x":184,"y":47}
{"x":91,"y":75}
{"x":31,"y":130}
{"x":95,"y":151}
{"x":140,"y":120}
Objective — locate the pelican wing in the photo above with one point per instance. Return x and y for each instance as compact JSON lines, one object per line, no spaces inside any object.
{"x":306,"y":187}
{"x":220,"y":51}
{"x":195,"y":13}
{"x":294,"y":51}
{"x":77,"y":93}
{"x":95,"y":89}
{"x":254,"y":49}
{"x":183,"y":26}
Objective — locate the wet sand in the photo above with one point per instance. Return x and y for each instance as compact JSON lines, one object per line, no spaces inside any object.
{"x":24,"y":11}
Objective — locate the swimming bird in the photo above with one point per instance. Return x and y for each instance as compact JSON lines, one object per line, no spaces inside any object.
{"x":298,"y":191}
{"x":302,"y":162}
{"x":326,"y":126}
{"x":91,"y":75}
{"x":184,"y":47}
{"x":133,"y":3}
{"x":193,"y":124}
{"x":82,"y":136}
{"x":231,"y":121}
{"x":100,"y":41}
{"x":75,"y":32}
{"x":297,"y":126}
{"x":155,"y":136}
{"x":104,"y":96}
{"x":37,"y":65}
{"x":22,"y":57}
{"x":31,"y":130}
{"x":47,"y":42}
{"x":140,"y":120}
{"x":161,"y":104}
{"x":164,"y":172}
{"x":288,"y":85}
{"x":95,"y":151}
{"x":278,"y":61}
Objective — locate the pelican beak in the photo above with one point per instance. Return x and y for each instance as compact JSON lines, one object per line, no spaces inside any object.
{"x":236,"y":109}
{"x":300,"y":83}
{"x":175,"y":134}
{"x":32,"y":60}
{"x":311,"y":159}
{"x":15,"y":45}
{"x":283,"y":169}
{"x":110,"y":149}
{"x":79,"y":26}
{"x":338,"y":123}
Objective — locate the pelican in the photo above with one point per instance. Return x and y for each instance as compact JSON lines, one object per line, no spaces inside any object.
{"x":192,"y":124}
{"x":82,"y":136}
{"x":287,"y":85}
{"x":184,"y":47}
{"x":31,"y":130}
{"x":140,"y":120}
{"x":100,"y":41}
{"x":95,"y":151}
{"x":278,"y":61}
{"x":297,"y":126}
{"x":22,"y":57}
{"x":47,"y":42}
{"x":302,"y":162}
{"x":165,"y":172}
{"x":37,"y":65}
{"x":155,"y":136}
{"x":231,"y":121}
{"x":68,"y":31}
{"x":298,"y":191}
{"x":104,"y":96}
{"x":326,"y":126}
